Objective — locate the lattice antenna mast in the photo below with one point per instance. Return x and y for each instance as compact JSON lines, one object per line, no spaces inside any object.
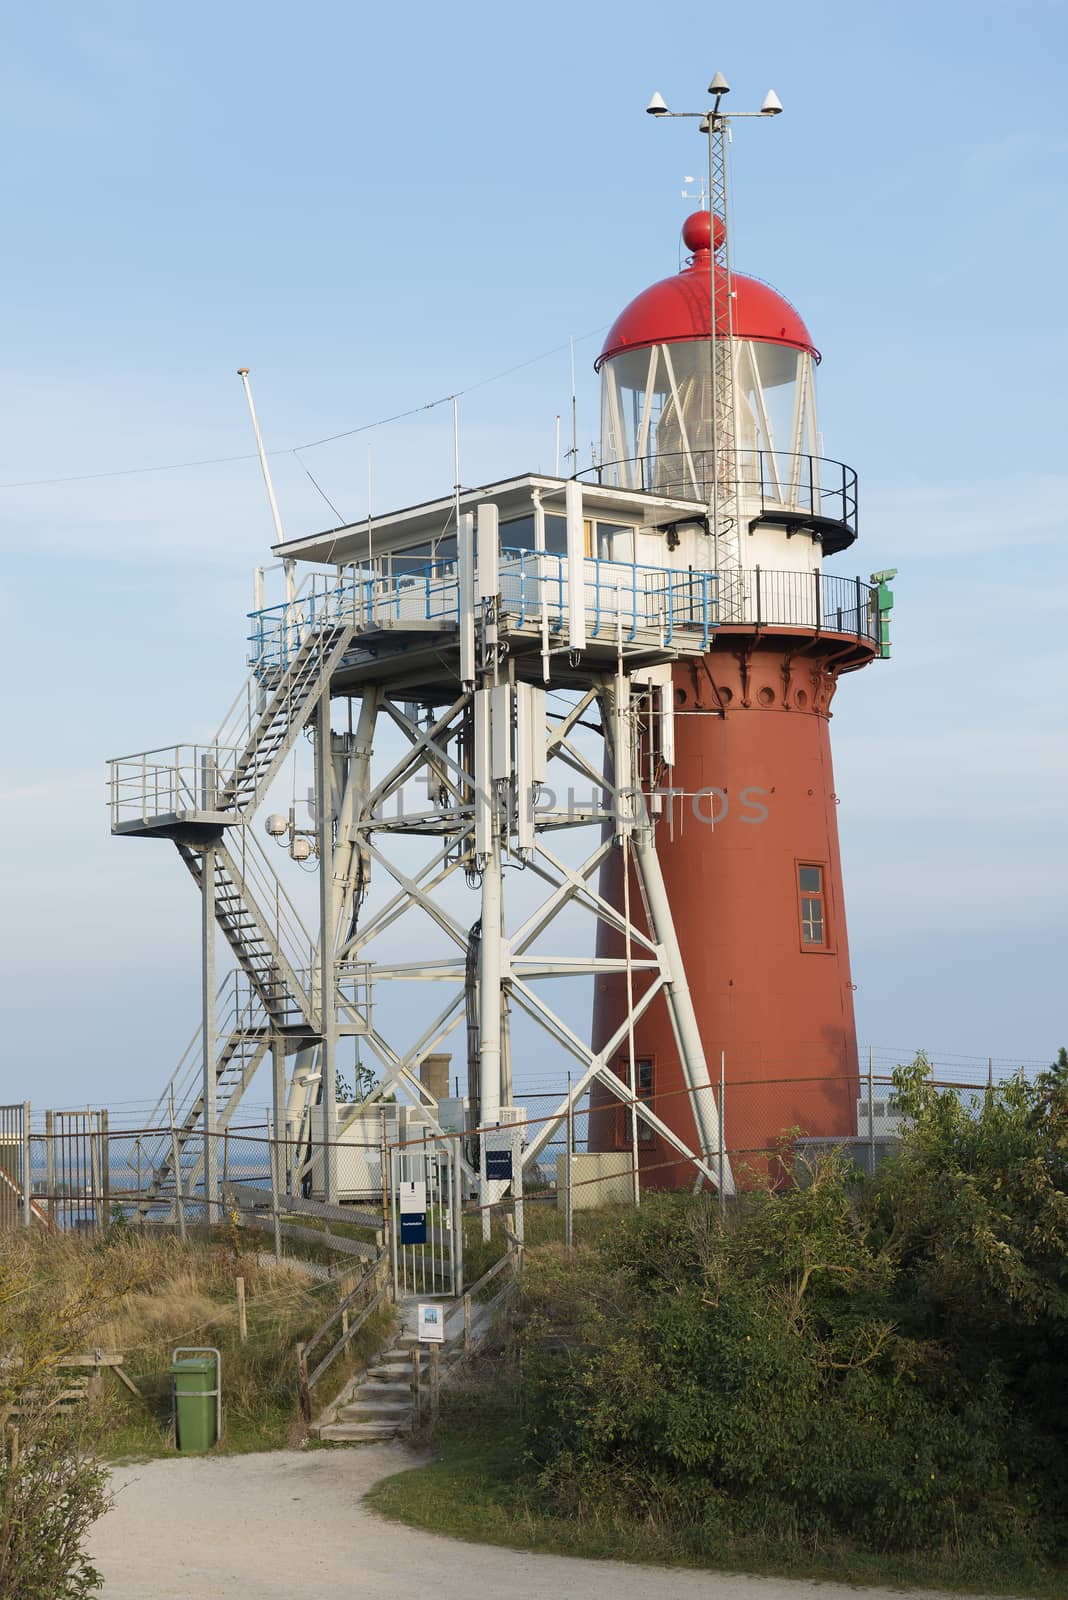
{"x":723,"y":487}
{"x":723,"y":496}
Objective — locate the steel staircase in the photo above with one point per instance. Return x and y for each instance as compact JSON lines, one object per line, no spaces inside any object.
{"x":267,"y":740}
{"x":269,"y":950}
{"x":244,"y":1026}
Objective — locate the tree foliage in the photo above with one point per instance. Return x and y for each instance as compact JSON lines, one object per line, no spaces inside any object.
{"x":882,"y":1360}
{"x":53,"y":1291}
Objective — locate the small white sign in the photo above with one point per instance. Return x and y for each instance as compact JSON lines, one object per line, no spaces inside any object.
{"x":412,"y":1199}
{"x":431,"y":1324}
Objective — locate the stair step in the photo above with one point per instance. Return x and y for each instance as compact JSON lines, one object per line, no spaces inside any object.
{"x":364,"y":1411}
{"x":355,"y":1432}
{"x":386,"y":1389}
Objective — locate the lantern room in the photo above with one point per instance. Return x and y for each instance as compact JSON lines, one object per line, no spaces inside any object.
{"x":657,"y":402}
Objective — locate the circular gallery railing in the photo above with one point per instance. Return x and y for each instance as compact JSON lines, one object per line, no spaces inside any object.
{"x":770,"y":485}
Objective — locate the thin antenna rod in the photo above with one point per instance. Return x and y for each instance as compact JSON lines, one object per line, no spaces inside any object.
{"x":242,"y":373}
{"x":556,"y":458}
{"x":574,"y":410}
{"x":456,"y":461}
{"x":369,"y":552}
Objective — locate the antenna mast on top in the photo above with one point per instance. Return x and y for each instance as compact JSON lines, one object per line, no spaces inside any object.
{"x":723,"y":488}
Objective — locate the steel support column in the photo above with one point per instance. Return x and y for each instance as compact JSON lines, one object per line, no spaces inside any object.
{"x":324,"y":822}
{"x":209,"y":1041}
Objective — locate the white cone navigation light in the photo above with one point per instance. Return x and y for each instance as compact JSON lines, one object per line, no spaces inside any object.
{"x":276,"y":826}
{"x":772,"y":105}
{"x":719,"y":85}
{"x":657,"y":106}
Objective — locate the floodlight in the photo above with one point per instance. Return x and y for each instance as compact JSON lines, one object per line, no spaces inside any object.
{"x":657,"y":106}
{"x":772,"y":105}
{"x":719,"y":85}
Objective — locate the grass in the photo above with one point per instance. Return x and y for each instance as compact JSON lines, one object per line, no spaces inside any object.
{"x":476,"y":1490}
{"x":543,"y":1224}
{"x":163,"y":1294}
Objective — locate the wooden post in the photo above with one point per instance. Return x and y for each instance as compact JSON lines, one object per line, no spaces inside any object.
{"x":417,"y":1381}
{"x":242,"y":1319}
{"x":302,"y":1383}
{"x":435,"y":1379}
{"x":13,"y":1455}
{"x":467,"y":1325}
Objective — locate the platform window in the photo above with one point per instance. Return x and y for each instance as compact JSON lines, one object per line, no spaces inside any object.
{"x":813,"y":907}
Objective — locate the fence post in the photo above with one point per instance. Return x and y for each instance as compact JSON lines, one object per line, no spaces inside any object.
{"x":569,"y":1134}
{"x":467,"y":1325}
{"x":722,"y":1129}
{"x":177,"y":1164}
{"x":517,"y":1186}
{"x":27,"y":1210}
{"x":457,"y":1218}
{"x":242,"y":1318}
{"x":95,"y":1186}
{"x":871,"y":1114}
{"x":275,"y":1158}
{"x":435,"y":1378}
{"x":50,"y":1167}
{"x":105,"y":1166}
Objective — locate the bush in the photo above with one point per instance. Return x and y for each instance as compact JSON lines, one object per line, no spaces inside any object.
{"x":882,"y":1361}
{"x":52,"y":1293}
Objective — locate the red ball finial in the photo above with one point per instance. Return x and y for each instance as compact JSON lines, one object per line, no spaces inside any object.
{"x":697,"y":230}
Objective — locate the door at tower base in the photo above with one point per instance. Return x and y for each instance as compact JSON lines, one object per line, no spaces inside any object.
{"x":749,"y":853}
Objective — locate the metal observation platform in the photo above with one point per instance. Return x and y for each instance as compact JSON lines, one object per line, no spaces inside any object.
{"x":484,"y":629}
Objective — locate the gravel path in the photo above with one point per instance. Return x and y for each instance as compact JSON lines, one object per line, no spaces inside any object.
{"x":292,"y":1523}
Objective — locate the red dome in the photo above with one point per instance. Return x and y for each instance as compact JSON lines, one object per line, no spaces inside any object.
{"x":679,"y":308}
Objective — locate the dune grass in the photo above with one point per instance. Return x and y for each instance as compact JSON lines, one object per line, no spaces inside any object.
{"x":164,"y":1294}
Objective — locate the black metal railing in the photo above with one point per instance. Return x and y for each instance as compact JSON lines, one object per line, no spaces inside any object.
{"x":821,"y":601}
{"x":764,"y":481}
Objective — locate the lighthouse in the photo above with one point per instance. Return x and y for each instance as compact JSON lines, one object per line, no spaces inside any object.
{"x":449,"y":661}
{"x":708,"y":393}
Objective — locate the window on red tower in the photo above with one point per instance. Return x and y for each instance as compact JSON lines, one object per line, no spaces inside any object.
{"x":644,"y":1083}
{"x":813,"y":906}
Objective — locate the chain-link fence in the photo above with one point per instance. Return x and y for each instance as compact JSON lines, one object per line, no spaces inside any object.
{"x":338,"y":1199}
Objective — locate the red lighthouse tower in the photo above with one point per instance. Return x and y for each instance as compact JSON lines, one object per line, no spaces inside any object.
{"x":708,"y":394}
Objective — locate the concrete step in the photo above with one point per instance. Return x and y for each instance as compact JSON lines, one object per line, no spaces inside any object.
{"x":385,"y":1389}
{"x":355,"y":1412}
{"x":360,"y":1432}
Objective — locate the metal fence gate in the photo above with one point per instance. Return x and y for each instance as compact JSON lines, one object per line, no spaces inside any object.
{"x":426,"y":1234}
{"x":15,"y":1185}
{"x":77,"y":1169}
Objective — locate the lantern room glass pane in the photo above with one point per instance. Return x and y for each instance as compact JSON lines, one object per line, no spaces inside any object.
{"x":656,"y":406}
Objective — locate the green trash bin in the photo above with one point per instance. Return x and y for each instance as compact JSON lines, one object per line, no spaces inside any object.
{"x":196,"y":1397}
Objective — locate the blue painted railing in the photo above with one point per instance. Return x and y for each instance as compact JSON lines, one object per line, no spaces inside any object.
{"x":619,"y":598}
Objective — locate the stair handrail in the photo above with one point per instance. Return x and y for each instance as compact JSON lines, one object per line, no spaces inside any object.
{"x":292,"y":937}
{"x":306,"y":1380}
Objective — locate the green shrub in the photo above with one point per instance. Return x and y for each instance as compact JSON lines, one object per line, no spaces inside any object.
{"x":883,"y":1361}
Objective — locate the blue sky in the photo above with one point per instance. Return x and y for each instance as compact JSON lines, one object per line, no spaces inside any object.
{"x":373,"y":207}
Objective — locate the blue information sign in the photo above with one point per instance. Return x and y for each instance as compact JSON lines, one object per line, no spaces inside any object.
{"x":499,"y":1164}
{"x":413,"y":1227}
